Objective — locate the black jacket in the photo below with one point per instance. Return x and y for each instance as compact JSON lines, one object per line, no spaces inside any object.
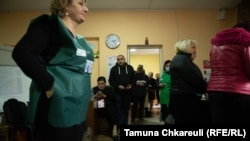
{"x":140,"y":90}
{"x":121,"y":75}
{"x":186,"y":77}
{"x":109,"y":92}
{"x":40,"y":42}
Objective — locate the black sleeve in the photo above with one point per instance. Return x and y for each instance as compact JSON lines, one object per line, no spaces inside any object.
{"x":112,"y":81}
{"x":147,"y":80}
{"x":192,"y":75}
{"x":27,"y":52}
{"x":95,"y":90}
{"x":110,"y":93}
{"x":154,"y":84}
{"x":133,"y":77}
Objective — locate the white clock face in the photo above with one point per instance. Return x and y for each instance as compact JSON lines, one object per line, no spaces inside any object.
{"x":112,"y":41}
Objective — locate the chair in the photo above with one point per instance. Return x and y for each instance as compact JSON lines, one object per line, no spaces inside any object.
{"x":16,"y":114}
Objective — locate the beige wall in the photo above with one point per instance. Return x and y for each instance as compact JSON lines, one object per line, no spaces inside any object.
{"x":150,"y":62}
{"x":161,"y":27}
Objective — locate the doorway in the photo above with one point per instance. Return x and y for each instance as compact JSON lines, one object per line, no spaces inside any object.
{"x":150,"y":56}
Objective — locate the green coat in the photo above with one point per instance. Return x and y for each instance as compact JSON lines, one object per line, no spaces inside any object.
{"x":164,"y":91}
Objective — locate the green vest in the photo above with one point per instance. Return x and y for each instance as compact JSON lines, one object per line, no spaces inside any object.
{"x":71,"y":69}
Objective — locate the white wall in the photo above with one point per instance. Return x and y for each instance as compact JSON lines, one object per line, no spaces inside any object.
{"x":13,"y":82}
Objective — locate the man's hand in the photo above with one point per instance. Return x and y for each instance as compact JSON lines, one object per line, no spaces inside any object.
{"x":129,"y":87}
{"x":121,"y":87}
{"x":99,"y":96}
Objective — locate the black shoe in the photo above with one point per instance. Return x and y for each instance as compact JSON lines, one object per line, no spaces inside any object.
{"x":115,"y":138}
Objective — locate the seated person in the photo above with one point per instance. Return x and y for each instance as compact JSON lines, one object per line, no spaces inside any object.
{"x":107,"y":94}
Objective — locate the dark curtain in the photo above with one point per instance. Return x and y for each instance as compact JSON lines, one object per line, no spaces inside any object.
{"x":244,"y":10}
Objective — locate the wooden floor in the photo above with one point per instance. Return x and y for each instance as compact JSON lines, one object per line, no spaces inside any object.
{"x":154,"y":120}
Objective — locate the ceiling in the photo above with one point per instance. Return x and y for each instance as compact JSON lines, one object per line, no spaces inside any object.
{"x":31,"y":5}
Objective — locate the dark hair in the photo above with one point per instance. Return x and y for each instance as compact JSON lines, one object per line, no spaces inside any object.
{"x":101,"y":78}
{"x":166,"y":62}
{"x":243,"y":24}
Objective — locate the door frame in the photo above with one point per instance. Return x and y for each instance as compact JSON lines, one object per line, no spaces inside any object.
{"x":138,"y":47}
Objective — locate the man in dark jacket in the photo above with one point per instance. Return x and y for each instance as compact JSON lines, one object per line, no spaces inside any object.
{"x":106,"y":95}
{"x":121,"y":78}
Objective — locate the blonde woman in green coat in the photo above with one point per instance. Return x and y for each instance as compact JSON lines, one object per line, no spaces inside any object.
{"x":164,"y":91}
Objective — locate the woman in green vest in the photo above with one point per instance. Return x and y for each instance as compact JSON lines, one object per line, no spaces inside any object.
{"x":59,"y":62}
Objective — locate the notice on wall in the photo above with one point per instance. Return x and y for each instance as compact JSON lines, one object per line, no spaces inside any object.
{"x":13,"y":84}
{"x":10,"y":81}
{"x":111,"y":61}
{"x":207,"y":69}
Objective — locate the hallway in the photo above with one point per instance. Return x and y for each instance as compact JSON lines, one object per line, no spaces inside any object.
{"x":154,"y":120}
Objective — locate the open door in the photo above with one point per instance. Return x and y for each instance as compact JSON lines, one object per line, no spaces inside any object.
{"x":150,"y":56}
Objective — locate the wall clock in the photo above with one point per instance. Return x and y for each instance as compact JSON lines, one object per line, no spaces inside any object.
{"x":112,"y":41}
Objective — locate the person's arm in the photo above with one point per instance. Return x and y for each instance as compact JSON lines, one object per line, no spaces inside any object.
{"x":110,"y":93}
{"x":132,"y":77}
{"x":27,"y":52}
{"x":147,"y":81}
{"x":192,"y":75}
{"x":111,"y":80}
{"x":162,"y":81}
{"x":98,"y":94}
{"x":154,"y":84}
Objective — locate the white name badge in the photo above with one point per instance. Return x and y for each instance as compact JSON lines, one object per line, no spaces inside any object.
{"x":81,"y":52}
{"x":88,"y":66}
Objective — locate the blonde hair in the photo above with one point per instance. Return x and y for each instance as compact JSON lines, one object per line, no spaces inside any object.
{"x":184,"y":45}
{"x":58,"y":7}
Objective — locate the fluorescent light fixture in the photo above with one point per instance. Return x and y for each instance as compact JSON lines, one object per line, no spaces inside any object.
{"x":132,"y":50}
